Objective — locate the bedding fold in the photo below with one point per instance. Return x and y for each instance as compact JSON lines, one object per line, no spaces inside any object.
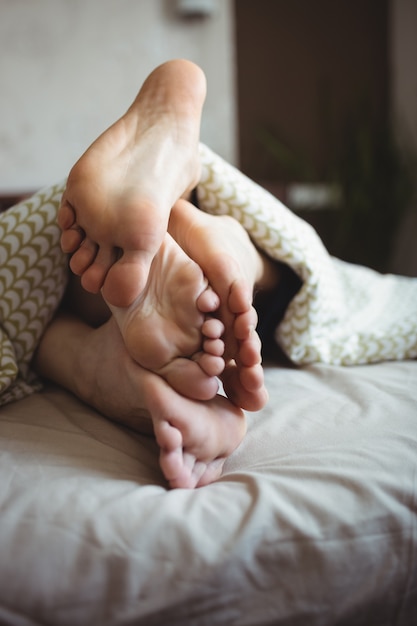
{"x":343,"y":314}
{"x":33,"y":278}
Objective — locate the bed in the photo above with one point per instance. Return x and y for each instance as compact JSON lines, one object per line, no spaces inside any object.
{"x":314,"y":520}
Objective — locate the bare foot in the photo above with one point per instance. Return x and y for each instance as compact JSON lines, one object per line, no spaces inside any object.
{"x":221,"y":246}
{"x":115,"y":209}
{"x":195,"y":437}
{"x":168,"y":331}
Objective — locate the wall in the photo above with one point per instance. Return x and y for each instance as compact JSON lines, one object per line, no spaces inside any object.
{"x":314,"y":114}
{"x":403,"y":64}
{"x":303,"y":67}
{"x":404,"y":104}
{"x":69,"y":68}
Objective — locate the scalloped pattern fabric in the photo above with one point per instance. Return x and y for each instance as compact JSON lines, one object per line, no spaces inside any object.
{"x":343,"y":314}
{"x":33,"y":277}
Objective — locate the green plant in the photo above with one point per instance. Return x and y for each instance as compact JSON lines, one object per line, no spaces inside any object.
{"x":376,"y":180}
{"x":293,"y":164}
{"x":377,"y":183}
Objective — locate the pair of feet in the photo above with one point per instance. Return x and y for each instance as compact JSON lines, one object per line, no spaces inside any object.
{"x":179,"y":282}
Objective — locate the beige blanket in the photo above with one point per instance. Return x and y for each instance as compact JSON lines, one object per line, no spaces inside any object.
{"x":313,"y":522}
{"x":343,"y":314}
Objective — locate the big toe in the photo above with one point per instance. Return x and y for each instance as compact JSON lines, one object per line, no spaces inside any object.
{"x":245,"y":390}
{"x":126,"y":278}
{"x":189,"y":379}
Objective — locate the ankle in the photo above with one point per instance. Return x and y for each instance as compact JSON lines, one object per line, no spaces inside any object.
{"x":269,"y":274}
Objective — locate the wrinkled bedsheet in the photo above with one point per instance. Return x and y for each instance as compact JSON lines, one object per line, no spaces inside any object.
{"x":313,"y":522}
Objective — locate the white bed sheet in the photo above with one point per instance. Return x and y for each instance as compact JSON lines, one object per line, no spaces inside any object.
{"x":313,"y":523}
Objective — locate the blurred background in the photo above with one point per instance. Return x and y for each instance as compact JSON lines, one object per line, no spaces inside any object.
{"x":315,"y":100}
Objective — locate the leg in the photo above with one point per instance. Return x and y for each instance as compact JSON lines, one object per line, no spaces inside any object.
{"x":234,"y":267}
{"x":115,"y":209}
{"x":195,"y":437}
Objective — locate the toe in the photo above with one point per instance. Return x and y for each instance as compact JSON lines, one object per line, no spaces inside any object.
{"x":168,"y":437}
{"x":240,"y":297}
{"x":83,"y":257}
{"x":189,"y":379}
{"x":94,"y":276}
{"x":212,"y":328}
{"x":252,"y":378}
{"x":172,"y":466}
{"x":238,"y":393}
{"x":208,"y":301}
{"x":66,"y":215}
{"x":245,"y":323}
{"x":249,"y":353}
{"x":214,"y":347}
{"x":212,"y":472}
{"x":127,"y":278}
{"x":72,"y":239}
{"x":211,"y":365}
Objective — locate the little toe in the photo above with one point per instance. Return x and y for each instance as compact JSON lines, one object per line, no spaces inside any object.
{"x":181,"y":468}
{"x":193,"y":472}
{"x":212,"y":472}
{"x":190,"y":473}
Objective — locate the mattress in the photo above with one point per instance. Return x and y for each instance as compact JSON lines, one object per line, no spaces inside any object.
{"x":313,"y":522}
